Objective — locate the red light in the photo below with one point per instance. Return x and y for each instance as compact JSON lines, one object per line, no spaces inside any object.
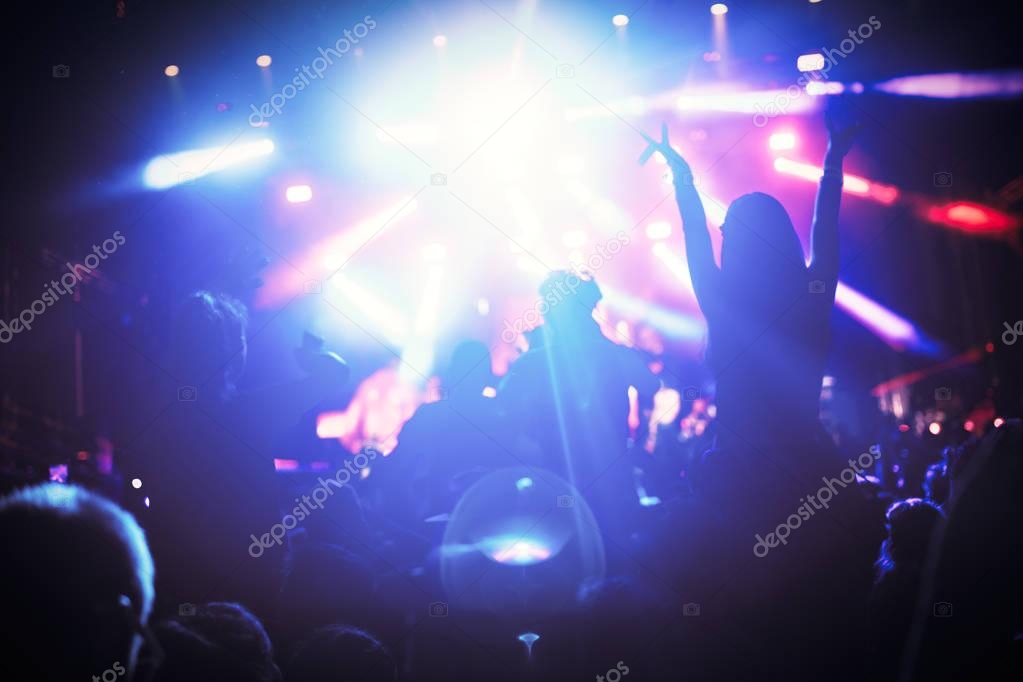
{"x":968,"y":425}
{"x":989,"y":347}
{"x":82,"y":455}
{"x":903,"y":427}
{"x":970,"y":217}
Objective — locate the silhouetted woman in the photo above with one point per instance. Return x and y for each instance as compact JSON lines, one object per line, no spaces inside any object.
{"x":767,"y":310}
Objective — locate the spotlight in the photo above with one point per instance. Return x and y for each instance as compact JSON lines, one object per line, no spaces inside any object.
{"x":620,"y":20}
{"x":782,"y":141}
{"x":718,"y":8}
{"x":263,"y":60}
{"x":810,"y":62}
{"x":136,"y":483}
{"x":298,"y":194}
{"x":440,"y":41}
{"x":934,"y":428}
{"x":171,"y":71}
{"x":998,"y":422}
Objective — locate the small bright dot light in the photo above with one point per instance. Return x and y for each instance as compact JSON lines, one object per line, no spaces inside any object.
{"x":440,"y":41}
{"x":171,"y":71}
{"x":136,"y":483}
{"x":297,"y":194}
{"x":483,"y":306}
{"x":620,"y":20}
{"x":489,"y":392}
{"x":998,"y":422}
{"x":264,"y":60}
{"x":934,"y":428}
{"x":968,"y":425}
{"x":782,"y":141}
{"x":814,"y":2}
{"x":146,"y":502}
{"x":719,"y":8}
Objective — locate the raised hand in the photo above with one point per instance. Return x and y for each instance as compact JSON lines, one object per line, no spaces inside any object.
{"x":664,"y":147}
{"x":840,"y":137}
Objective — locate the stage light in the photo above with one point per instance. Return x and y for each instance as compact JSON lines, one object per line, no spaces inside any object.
{"x":418,"y":355}
{"x":440,"y":41}
{"x":854,"y":184}
{"x":171,"y":71}
{"x":620,"y":20}
{"x":339,"y":249}
{"x":483,"y":306}
{"x":718,"y":9}
{"x":667,"y":322}
{"x":970,"y":217}
{"x":297,"y":194}
{"x":387,"y":321}
{"x":264,"y":60}
{"x":782,"y":141}
{"x":489,"y":392}
{"x":814,"y":2}
{"x":136,"y":483}
{"x":740,"y":102}
{"x":978,"y":85}
{"x":891,"y":328}
{"x":286,"y":464}
{"x":660,"y":229}
{"x":998,"y":422}
{"x":934,"y":428}
{"x":810,"y":62}
{"x":903,"y":428}
{"x":969,"y":426}
{"x":816,"y":88}
{"x":185,"y":167}
{"x":573,"y":239}
{"x":529,"y":639}
{"x":523,"y":483}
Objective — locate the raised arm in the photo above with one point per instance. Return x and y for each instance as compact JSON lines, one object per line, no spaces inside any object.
{"x":824,"y":260}
{"x":699,"y":251}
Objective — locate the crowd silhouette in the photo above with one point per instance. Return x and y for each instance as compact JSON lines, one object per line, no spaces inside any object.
{"x":871,"y":584}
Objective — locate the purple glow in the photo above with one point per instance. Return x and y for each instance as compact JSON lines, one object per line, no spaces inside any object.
{"x":895,"y":330}
{"x":957,"y":85}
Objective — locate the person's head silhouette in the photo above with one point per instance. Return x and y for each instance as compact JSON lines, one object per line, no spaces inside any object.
{"x":760,"y":253}
{"x":568,"y":301}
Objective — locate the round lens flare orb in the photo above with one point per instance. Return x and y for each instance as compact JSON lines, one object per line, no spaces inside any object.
{"x":620,"y":20}
{"x":264,"y":60}
{"x":520,"y":540}
{"x":440,"y":41}
{"x":171,"y":71}
{"x":718,"y":9}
